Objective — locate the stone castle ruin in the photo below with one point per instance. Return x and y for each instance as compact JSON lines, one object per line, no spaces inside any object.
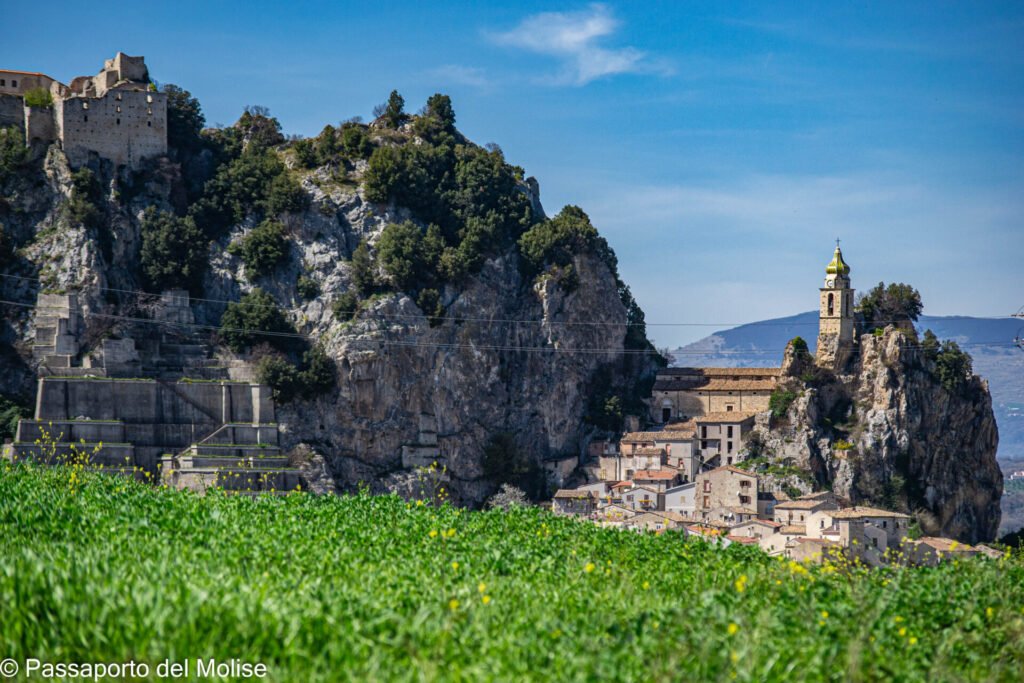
{"x":116,"y":115}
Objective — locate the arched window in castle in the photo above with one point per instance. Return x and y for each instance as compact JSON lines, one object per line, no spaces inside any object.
{"x":149,"y":99}
{"x":118,"y":98}
{"x":119,"y":109}
{"x":830,"y":306}
{"x":118,"y":121}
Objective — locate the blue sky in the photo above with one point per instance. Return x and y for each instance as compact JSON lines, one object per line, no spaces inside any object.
{"x":721,"y":148}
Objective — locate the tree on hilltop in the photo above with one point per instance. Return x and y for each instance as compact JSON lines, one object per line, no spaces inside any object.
{"x":392,"y":111}
{"x":897,"y":304}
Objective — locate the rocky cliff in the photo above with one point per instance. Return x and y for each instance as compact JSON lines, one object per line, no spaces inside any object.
{"x":888,"y":431}
{"x":508,"y":354}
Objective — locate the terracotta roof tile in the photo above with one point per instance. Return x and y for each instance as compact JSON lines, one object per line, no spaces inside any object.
{"x":574,"y":493}
{"x":638,"y":437}
{"x":800,"y":504}
{"x":653,"y":475}
{"x":738,"y":385}
{"x":731,"y":468}
{"x":726,"y":416}
{"x":861,"y":512}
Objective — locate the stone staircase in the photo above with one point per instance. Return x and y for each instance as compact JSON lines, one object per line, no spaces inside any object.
{"x":239,"y":458}
{"x":128,"y":403}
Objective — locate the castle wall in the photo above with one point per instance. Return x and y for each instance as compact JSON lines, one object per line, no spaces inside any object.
{"x":39,"y":125}
{"x":12,"y":111}
{"x":124,"y":126}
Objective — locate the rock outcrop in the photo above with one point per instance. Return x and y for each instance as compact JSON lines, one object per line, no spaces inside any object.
{"x":890,"y":433}
{"x":513,"y":355}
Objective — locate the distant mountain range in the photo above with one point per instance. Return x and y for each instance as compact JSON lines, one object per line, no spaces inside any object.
{"x":988,"y":340}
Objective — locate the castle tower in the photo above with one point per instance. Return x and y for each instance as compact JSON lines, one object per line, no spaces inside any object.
{"x":835,"y":315}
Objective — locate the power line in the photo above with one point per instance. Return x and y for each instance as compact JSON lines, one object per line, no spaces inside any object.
{"x":444,"y":345}
{"x":423,"y":316}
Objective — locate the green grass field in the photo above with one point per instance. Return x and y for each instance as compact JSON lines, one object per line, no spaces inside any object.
{"x":100,"y":569}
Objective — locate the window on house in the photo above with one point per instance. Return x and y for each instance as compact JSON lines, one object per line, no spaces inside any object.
{"x":14,"y":84}
{"x":728,"y":446}
{"x":3,"y":82}
{"x":707,"y":486}
{"x":728,"y":409}
{"x":883,"y":524}
{"x":745,"y":500}
{"x":745,"y":484}
{"x":707,"y":502}
{"x":728,"y":431}
{"x":728,"y":461}
{"x":874,"y":542}
{"x":801,"y":518}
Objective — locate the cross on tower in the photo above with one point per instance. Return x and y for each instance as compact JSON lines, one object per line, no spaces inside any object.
{"x":837,"y":243}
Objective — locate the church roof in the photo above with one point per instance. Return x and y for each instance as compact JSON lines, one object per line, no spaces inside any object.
{"x":837,"y":266}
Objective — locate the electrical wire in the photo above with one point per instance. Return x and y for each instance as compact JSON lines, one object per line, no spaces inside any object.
{"x":423,"y":316}
{"x":448,"y":345}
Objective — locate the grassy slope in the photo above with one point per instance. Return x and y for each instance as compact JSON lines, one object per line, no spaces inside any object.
{"x":360,"y":588}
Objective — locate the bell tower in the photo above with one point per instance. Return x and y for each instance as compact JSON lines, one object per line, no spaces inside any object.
{"x":835,"y":314}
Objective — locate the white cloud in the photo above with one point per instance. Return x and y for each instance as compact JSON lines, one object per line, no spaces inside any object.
{"x":457,"y":74}
{"x":573,"y":38}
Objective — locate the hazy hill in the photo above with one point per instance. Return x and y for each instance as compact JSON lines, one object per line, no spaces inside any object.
{"x":987,"y":340}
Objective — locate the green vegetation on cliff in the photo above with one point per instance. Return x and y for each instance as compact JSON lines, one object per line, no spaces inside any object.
{"x":95,"y":568}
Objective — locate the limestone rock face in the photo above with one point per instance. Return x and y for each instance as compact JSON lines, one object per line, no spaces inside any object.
{"x":511,"y":356}
{"x":889,"y":433}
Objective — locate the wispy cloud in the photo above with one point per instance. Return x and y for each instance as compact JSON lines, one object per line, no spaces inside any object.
{"x":458,"y":74}
{"x":573,"y":38}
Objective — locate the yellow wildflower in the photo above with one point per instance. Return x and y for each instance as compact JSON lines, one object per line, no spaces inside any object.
{"x":455,"y":566}
{"x":589,"y":568}
{"x":733,"y":628}
{"x":450,"y":533}
{"x":433,"y":533}
{"x":486,"y":599}
{"x":647,"y":585}
{"x":989,"y":612}
{"x":913,"y":640}
{"x":903,"y":631}
{"x":741,"y":583}
{"x":453,"y":604}
{"x":482,"y":587}
{"x":824,"y":614}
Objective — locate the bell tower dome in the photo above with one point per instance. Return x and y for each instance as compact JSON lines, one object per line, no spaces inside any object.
{"x":835,"y":314}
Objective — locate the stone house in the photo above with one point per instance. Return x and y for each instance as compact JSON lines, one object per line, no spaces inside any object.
{"x":755,"y":528}
{"x":681,"y":449}
{"x":621,"y":466}
{"x":731,"y":514}
{"x":685,"y":393}
{"x":658,"y":480}
{"x":657,"y":521}
{"x":680,"y":498}
{"x":574,"y":502}
{"x":929,"y":551}
{"x":816,"y":550}
{"x":721,"y":435}
{"x":798,"y":511}
{"x":640,"y":498}
{"x":778,"y":542}
{"x":614,"y":514}
{"x":726,"y":486}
